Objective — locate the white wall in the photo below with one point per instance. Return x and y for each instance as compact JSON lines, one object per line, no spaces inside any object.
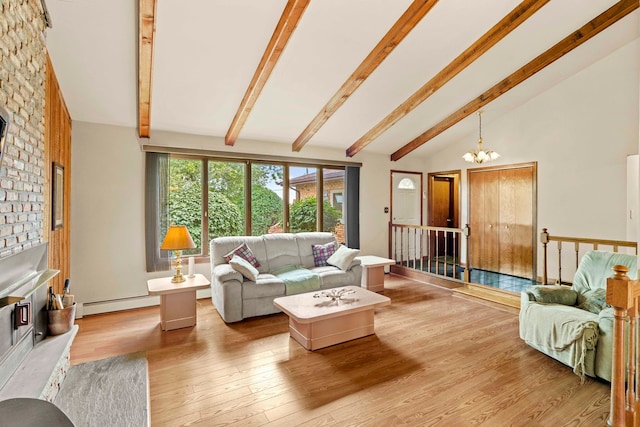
{"x":580,"y":133}
{"x":107,"y":207}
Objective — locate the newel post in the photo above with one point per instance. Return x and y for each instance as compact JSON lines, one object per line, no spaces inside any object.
{"x":544,"y":239}
{"x":620,"y":296}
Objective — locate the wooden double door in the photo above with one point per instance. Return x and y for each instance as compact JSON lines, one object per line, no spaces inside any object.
{"x":502,"y":212}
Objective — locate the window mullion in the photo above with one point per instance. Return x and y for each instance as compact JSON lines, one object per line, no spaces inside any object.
{"x":285,"y":198}
{"x":319,"y":199}
{"x":247,"y":198}
{"x":205,"y":207}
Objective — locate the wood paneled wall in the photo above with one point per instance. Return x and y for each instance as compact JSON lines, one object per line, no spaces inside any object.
{"x":58,"y":149}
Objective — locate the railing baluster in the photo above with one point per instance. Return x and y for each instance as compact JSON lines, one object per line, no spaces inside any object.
{"x":437,"y":251}
{"x":430,"y":253}
{"x":446,"y":252}
{"x":421,"y":249}
{"x":467,"y":270}
{"x":559,"y":263}
{"x":416,"y":247}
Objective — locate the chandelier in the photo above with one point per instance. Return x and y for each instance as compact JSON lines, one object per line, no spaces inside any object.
{"x":480,"y":155}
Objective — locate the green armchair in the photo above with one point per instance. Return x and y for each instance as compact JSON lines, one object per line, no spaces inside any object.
{"x":573,"y":324}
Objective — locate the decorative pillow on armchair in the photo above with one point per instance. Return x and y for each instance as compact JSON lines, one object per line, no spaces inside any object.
{"x":244,"y":252}
{"x":321,"y":253}
{"x":593,"y":300}
{"x":553,"y":294}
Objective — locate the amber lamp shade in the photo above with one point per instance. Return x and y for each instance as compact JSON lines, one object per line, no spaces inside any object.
{"x":177,"y":239}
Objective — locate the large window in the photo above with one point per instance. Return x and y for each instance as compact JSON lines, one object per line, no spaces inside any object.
{"x":215,"y":197}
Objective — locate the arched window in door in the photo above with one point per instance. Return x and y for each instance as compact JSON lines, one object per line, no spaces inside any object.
{"x":406,"y":184}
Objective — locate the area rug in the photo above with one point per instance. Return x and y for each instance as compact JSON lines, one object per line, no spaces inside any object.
{"x":109,"y":392}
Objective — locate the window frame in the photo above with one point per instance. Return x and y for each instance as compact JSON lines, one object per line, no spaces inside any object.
{"x":248,"y":164}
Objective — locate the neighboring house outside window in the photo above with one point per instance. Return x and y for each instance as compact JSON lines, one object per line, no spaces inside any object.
{"x":304,"y":187}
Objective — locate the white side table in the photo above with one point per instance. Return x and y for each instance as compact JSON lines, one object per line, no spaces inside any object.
{"x":373,"y":272}
{"x":177,"y":300}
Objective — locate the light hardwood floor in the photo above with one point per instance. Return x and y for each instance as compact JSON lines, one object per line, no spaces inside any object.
{"x":436,"y":359}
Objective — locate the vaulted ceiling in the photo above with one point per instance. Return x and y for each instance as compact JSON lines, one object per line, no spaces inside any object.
{"x":397,"y":77}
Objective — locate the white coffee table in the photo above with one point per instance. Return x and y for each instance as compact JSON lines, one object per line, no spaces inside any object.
{"x":319,"y":322}
{"x":177,"y":300}
{"x":373,"y":271}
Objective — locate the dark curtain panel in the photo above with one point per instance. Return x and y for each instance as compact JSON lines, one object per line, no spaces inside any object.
{"x":156,"y":209}
{"x":352,"y":206}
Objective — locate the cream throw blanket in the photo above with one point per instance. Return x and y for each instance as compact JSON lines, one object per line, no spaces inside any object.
{"x":562,"y":328}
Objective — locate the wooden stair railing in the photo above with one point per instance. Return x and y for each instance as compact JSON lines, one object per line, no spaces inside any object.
{"x":595,"y":244}
{"x":623,"y":294}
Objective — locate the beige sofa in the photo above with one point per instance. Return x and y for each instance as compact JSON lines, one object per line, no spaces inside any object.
{"x":236,"y":297}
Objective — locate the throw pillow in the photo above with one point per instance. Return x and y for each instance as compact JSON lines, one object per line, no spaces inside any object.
{"x":243,"y":251}
{"x":553,"y":294}
{"x":343,"y":257}
{"x":244,"y":267}
{"x":593,"y":300}
{"x":321,"y":253}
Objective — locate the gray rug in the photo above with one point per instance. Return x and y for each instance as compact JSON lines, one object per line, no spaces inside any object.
{"x":110,"y":392}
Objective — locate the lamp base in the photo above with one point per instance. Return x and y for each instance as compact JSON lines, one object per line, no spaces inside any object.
{"x":178,"y":278}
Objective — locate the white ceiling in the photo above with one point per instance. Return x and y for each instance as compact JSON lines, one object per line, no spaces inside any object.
{"x":206,"y":52}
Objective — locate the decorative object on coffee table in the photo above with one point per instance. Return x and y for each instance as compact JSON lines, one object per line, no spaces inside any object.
{"x":334,"y":294}
{"x":318,"y":324}
{"x":373,"y":272}
{"x":177,"y":239}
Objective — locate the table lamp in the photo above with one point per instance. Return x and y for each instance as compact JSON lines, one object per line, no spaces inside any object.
{"x":177,"y":239}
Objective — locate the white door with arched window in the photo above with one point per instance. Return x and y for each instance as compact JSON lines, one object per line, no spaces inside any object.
{"x":406,"y":201}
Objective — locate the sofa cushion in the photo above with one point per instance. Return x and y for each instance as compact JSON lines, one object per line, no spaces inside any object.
{"x":244,"y":267}
{"x":553,"y":294}
{"x":267,"y":285}
{"x":333,"y":277}
{"x":342,"y":257}
{"x":321,"y":253}
{"x":282,"y":249}
{"x":243,"y":251}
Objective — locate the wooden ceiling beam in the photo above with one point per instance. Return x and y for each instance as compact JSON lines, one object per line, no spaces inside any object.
{"x":146,"y":33}
{"x":287,"y":24}
{"x":403,"y":26}
{"x":566,"y":45}
{"x":510,"y":22}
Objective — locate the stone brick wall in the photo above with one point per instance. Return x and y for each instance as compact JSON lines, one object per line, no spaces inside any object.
{"x":22,"y":92}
